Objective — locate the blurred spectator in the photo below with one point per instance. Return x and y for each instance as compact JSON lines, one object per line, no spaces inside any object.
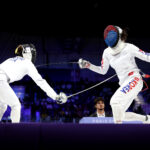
{"x":100,"y":108}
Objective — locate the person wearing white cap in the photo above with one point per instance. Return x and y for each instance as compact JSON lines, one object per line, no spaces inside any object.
{"x":120,"y":55}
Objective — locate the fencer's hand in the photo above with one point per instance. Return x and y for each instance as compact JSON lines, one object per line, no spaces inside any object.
{"x":84,"y":63}
{"x":61,"y":98}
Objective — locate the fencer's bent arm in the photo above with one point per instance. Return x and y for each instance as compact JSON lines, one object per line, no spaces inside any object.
{"x":141,"y":54}
{"x":103,"y":68}
{"x":42,"y":83}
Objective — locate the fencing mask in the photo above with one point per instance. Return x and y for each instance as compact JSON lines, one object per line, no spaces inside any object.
{"x":112,"y":35}
{"x":27,"y":51}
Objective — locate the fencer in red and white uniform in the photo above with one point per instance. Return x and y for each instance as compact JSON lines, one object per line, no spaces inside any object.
{"x":121,"y":57}
{"x":14,"y":69}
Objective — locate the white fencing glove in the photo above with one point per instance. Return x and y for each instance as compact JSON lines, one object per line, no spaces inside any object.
{"x":84,"y":63}
{"x":61,"y":98}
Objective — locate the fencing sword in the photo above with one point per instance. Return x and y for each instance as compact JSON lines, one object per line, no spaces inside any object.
{"x":57,"y":63}
{"x":92,"y":86}
{"x":60,"y":63}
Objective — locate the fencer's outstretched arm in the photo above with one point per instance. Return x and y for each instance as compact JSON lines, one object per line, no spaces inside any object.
{"x":42,"y":83}
{"x":99,"y":69}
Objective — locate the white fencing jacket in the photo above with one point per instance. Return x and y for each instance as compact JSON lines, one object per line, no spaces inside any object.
{"x":16,"y":68}
{"x":122,"y":62}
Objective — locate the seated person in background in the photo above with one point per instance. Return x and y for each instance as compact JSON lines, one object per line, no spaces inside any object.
{"x":100,"y":108}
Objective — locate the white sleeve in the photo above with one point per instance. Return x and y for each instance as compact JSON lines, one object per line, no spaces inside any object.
{"x":104,"y":66}
{"x":42,"y":83}
{"x":136,"y":52}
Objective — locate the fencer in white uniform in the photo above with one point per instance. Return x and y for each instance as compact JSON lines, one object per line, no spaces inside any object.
{"x":121,"y":57}
{"x":14,"y":69}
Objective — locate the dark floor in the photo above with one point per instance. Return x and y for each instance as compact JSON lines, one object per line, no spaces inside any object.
{"x":41,"y":136}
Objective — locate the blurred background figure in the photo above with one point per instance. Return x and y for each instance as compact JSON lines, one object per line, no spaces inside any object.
{"x":99,"y":104}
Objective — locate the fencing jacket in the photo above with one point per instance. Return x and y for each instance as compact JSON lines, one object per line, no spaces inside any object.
{"x":123,"y":62}
{"x":16,"y":68}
